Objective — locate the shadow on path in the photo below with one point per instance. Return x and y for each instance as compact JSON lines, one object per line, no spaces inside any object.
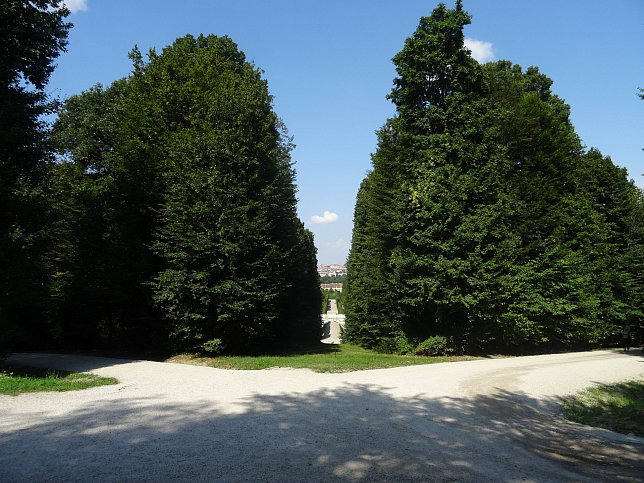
{"x":67,"y":362}
{"x":350,"y":433}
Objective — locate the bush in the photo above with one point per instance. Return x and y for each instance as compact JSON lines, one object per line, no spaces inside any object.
{"x":213,"y":347}
{"x":397,"y":343}
{"x":403,"y":344}
{"x":434,"y":346}
{"x":386,"y":345}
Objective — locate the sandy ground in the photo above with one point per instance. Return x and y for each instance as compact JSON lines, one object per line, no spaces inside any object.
{"x":485,"y":420}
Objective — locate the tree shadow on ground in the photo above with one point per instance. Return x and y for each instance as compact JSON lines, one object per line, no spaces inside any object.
{"x":319,"y":348}
{"x":352,"y":433}
{"x":636,"y":351}
{"x":66,"y":362}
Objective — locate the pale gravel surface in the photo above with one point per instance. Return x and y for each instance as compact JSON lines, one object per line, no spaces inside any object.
{"x":332,"y":322}
{"x":331,"y":331}
{"x":485,"y":420}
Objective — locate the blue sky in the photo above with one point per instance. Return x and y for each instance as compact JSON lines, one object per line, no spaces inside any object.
{"x":328,"y":65}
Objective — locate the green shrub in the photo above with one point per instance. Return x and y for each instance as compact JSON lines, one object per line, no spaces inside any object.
{"x":213,"y":347}
{"x":385,"y":345}
{"x":434,"y":346}
{"x":397,"y":343}
{"x":403,"y":344}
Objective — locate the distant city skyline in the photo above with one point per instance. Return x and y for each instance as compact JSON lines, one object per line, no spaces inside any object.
{"x":332,"y":270}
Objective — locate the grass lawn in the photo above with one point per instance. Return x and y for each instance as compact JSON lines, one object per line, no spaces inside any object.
{"x":322,"y":358}
{"x":618,"y":407}
{"x":16,"y":380}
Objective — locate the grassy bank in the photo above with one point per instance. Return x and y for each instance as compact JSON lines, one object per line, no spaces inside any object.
{"x":16,"y":380}
{"x":618,"y":407}
{"x":323,"y":358}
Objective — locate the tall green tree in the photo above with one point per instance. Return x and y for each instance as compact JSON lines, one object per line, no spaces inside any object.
{"x":454,"y":218}
{"x":236,"y":253}
{"x":183,"y":171}
{"x":32,"y":35}
{"x":104,"y":201}
{"x":448,"y":210}
{"x":617,"y":203}
{"x":369,"y":295}
{"x":499,"y":231}
{"x":569,"y":264}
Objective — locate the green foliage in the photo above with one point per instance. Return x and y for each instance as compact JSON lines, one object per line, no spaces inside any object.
{"x":339,"y":299}
{"x":301,"y":322}
{"x":368,"y":292}
{"x":104,"y":198}
{"x":325,"y":294}
{"x":178,"y":201}
{"x":32,"y":33}
{"x":402,"y":344}
{"x":617,"y":407}
{"x":333,"y":279}
{"x":395,"y":343}
{"x":229,"y":235}
{"x":213,"y":346}
{"x":483,"y":220}
{"x":434,"y":346}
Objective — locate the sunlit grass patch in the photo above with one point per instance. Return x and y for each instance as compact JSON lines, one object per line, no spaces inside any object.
{"x":323,"y":358}
{"x":617,"y":407}
{"x":16,"y":380}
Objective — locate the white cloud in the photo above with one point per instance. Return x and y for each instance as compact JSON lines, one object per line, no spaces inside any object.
{"x":481,"y":51}
{"x":76,"y":5}
{"x":328,"y":217}
{"x":340,"y":244}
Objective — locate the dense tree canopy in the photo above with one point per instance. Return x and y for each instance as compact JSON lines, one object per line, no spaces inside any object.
{"x":32,"y":35}
{"x":483,"y":220}
{"x":236,"y":256}
{"x":160,"y":211}
{"x":171,"y":213}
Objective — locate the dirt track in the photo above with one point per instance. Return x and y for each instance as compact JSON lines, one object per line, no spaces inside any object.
{"x":487,"y":420}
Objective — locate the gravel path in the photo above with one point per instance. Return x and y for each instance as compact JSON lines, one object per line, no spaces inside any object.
{"x":331,"y":330}
{"x":485,"y":420}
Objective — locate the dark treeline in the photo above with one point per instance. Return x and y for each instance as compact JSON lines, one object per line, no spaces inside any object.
{"x":31,"y":39}
{"x":484,"y":223}
{"x":168,"y":217}
{"x":159,"y":212}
